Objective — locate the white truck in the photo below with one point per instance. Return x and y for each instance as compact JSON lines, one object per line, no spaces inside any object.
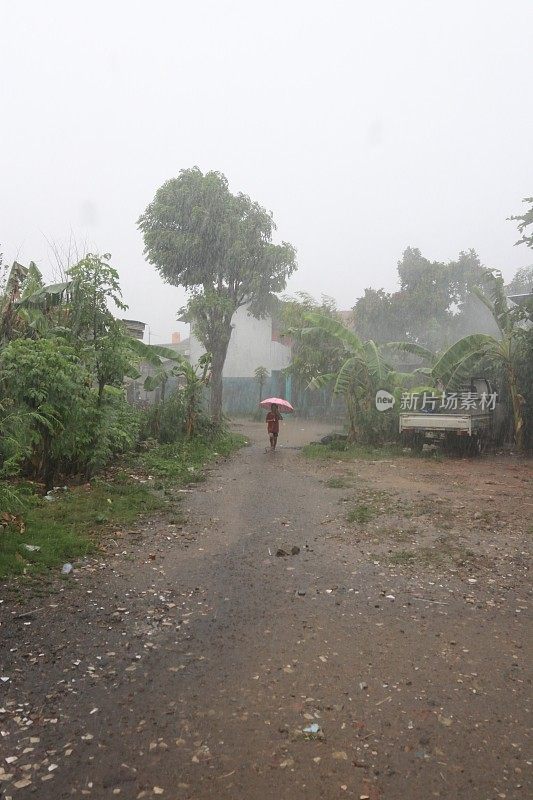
{"x":461,"y":420}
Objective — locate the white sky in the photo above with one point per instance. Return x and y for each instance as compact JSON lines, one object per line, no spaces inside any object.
{"x":365,"y":127}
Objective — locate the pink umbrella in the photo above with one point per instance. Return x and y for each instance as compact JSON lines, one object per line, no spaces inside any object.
{"x":278,"y":401}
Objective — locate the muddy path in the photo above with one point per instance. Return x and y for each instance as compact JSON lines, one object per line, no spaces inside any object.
{"x":186,"y":663}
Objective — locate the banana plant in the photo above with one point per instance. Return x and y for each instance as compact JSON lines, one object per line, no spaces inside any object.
{"x":168,"y":364}
{"x":362,"y":367}
{"x":26,"y":303}
{"x":501,"y":352}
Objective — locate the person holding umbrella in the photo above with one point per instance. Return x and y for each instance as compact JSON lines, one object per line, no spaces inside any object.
{"x":273,"y":417}
{"x":272,"y":421}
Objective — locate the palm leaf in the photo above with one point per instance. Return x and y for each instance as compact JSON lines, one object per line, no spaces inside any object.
{"x":376,"y":364}
{"x":497,"y":303}
{"x":319,"y":381}
{"x":414,"y":349}
{"x":464,"y":348}
{"x":333,"y":328}
{"x":153,"y":353}
{"x":354,"y":370}
{"x":44,"y":293}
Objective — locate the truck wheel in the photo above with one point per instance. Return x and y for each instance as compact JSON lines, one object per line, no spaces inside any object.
{"x":476,"y":445}
{"x":450,"y":444}
{"x":417,"y":442}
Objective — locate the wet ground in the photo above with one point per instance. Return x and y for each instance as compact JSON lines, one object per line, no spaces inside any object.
{"x":187,"y":661}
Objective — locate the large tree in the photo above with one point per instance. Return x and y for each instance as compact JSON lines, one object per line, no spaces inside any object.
{"x":433,"y":307}
{"x":218,"y":245}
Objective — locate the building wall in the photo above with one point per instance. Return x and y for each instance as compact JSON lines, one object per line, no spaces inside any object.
{"x":250,"y":346}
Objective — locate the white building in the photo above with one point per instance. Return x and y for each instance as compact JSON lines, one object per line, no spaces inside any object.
{"x":254,"y":343}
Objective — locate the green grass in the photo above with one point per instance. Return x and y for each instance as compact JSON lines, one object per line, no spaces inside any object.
{"x":361,"y":513}
{"x":72,"y":525}
{"x":184,"y":461}
{"x":364,"y":452}
{"x":337,"y":483}
{"x":402,"y":557}
{"x":444,"y":552}
{"x":352,"y":452}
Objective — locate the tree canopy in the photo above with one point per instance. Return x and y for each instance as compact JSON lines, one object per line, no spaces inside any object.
{"x":433,"y":307}
{"x":218,"y":245}
{"x":525,"y":220}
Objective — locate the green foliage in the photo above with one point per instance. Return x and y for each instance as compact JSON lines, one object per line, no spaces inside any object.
{"x":352,"y":451}
{"x":314,"y":353}
{"x":183,"y":460}
{"x":99,"y":339}
{"x":260,"y":376}
{"x":502,"y":352}
{"x":361,"y":370}
{"x":433,"y":307}
{"x":62,"y":342}
{"x":46,"y":383}
{"x":69,"y":527}
{"x":117,"y":426}
{"x":182,"y":413}
{"x":337,"y":483}
{"x":94,"y":283}
{"x":219,"y":246}
{"x":524,"y":375}
{"x":525,"y":220}
{"x":522,"y":282}
{"x":361,"y":513}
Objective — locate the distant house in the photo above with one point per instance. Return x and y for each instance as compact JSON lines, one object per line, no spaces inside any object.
{"x":254,"y":343}
{"x":525,"y":300}
{"x":134,"y":328}
{"x":178,"y":345}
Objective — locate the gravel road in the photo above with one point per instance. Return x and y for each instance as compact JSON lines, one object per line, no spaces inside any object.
{"x":187,"y":662}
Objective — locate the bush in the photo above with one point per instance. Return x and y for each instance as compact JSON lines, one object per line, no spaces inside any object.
{"x":167,"y":421}
{"x":52,"y":422}
{"x":47,"y":390}
{"x":117,"y":427}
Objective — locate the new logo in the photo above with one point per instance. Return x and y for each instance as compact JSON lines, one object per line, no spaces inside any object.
{"x":384,"y":400}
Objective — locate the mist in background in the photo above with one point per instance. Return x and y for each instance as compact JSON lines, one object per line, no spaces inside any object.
{"x":364,"y":127}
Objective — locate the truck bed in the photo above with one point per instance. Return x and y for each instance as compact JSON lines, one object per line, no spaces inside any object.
{"x":464,"y":423}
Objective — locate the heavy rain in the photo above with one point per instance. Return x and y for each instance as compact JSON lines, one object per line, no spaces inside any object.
{"x":266,"y":400}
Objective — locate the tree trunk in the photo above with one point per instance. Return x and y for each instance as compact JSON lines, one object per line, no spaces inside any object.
{"x":351,"y":408}
{"x":217,"y":365}
{"x":517,"y":402}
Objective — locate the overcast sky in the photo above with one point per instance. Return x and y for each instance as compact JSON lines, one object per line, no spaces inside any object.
{"x":364,"y":127}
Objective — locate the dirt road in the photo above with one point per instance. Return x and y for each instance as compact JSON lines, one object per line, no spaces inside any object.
{"x":186,"y":663}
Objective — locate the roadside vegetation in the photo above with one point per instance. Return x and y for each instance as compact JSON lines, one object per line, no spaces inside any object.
{"x":69,"y":522}
{"x":446,"y":324}
{"x":76,"y":459}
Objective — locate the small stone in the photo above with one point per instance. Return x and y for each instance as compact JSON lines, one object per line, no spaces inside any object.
{"x":288,"y":762}
{"x":340,"y":755}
